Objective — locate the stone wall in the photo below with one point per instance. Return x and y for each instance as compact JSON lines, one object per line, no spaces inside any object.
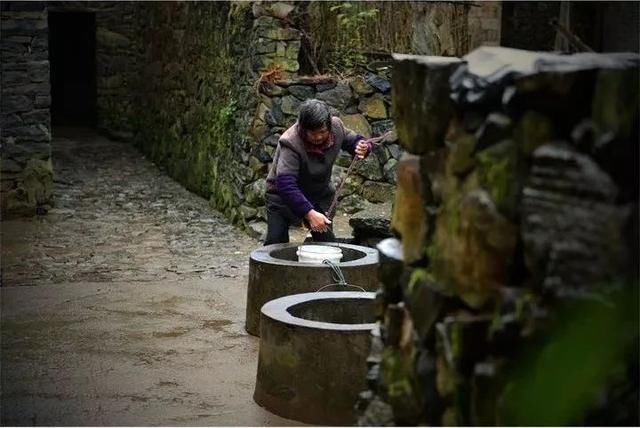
{"x":118,"y":66}
{"x":363,"y":104}
{"x":27,"y":175}
{"x":484,"y":24}
{"x":196,"y":97}
{"x":517,"y":213}
{"x":25,"y":122}
{"x":181,"y":81}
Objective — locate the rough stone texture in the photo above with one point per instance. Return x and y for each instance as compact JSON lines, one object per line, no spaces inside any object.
{"x":421,"y":120}
{"x":208,"y":129}
{"x":373,"y":107}
{"x":297,"y":364}
{"x":409,"y":213}
{"x":27,"y":175}
{"x":127,"y":281}
{"x":371,"y":224}
{"x":516,"y":223}
{"x":378,"y":192}
{"x":274,"y":271}
{"x":118,"y":67}
{"x":485,"y":24}
{"x":569,"y":195}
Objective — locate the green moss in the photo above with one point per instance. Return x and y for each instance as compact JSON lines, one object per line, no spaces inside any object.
{"x":497,"y":173}
{"x":186,"y":116}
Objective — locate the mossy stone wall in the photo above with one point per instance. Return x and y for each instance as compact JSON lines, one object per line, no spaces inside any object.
{"x":26,"y":170}
{"x":517,"y":258}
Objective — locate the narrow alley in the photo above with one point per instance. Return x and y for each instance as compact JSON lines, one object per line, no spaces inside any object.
{"x":124,"y":303}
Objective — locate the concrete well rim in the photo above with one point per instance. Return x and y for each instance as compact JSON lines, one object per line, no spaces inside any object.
{"x":263,"y":254}
{"x":277,"y":310}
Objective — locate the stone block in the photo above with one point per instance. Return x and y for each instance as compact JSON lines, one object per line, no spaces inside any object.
{"x":14,"y":78}
{"x":389,"y":170}
{"x":247,"y":212}
{"x":369,"y":168}
{"x":29,"y":89}
{"x":498,"y":174}
{"x":290,"y":105}
{"x":373,"y":221}
{"x":395,"y":150}
{"x":274,"y":29}
{"x":35,"y":189}
{"x":339,"y":97}
{"x":292,"y":50}
{"x":357,"y":123}
{"x":37,"y":117}
{"x":473,"y":247}
{"x":352,"y":204}
{"x":42,"y":101}
{"x":379,"y":127}
{"x":23,"y":24}
{"x":271,"y":140}
{"x":409,"y":213}
{"x":257,"y":229}
{"x":380,"y":152}
{"x":110,"y":39}
{"x":325,"y":86}
{"x":39,"y":71}
{"x":378,"y":192}
{"x":16,"y":103}
{"x":257,"y":167}
{"x":373,"y":107}
{"x":271,"y":89}
{"x":264,"y":46}
{"x":424,"y":302}
{"x":360,"y":86}
{"x":572,"y":227}
{"x":10,"y":166}
{"x":421,"y":100}
{"x":254,"y":193}
{"x":259,"y":130}
{"x":38,"y":132}
{"x":344,"y":159}
{"x":10,"y":121}
{"x":302,"y":92}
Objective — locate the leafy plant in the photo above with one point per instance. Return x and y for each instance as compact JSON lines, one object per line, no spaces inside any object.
{"x":351,"y":22}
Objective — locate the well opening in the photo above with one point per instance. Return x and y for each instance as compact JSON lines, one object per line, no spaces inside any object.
{"x":289,"y":254}
{"x":337,"y":311}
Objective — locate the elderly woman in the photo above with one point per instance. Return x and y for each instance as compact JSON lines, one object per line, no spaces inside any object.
{"x":299,"y":183}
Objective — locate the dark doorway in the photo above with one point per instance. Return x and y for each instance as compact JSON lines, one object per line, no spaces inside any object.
{"x":72,"y":57}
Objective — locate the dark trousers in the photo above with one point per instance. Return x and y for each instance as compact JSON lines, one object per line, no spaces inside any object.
{"x":278,"y":222}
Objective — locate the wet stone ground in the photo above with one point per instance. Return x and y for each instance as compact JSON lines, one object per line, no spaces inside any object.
{"x":125,"y":303}
{"x":117,"y":217}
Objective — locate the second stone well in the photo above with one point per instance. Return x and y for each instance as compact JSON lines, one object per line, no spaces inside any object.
{"x":274,"y":271}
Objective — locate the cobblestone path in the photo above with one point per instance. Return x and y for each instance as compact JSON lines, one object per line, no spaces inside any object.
{"x":117,"y":217}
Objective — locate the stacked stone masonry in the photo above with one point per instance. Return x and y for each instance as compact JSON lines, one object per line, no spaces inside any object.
{"x":27,"y":175}
{"x":517,"y":212}
{"x":180,"y":80}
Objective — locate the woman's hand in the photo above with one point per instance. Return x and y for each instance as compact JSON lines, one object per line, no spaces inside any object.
{"x":362,"y":149}
{"x":317,"y":221}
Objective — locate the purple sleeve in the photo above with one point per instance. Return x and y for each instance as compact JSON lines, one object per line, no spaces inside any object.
{"x":288,"y":189}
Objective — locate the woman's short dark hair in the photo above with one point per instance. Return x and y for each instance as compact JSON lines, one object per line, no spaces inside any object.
{"x":314,"y":114}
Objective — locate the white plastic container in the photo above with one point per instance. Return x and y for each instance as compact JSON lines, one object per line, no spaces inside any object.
{"x":318,"y":253}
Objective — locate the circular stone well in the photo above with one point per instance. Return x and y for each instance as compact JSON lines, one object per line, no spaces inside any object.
{"x":274,"y":271}
{"x":313,"y":352}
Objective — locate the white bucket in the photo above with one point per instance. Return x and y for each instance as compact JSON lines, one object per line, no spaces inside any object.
{"x":318,"y":253}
